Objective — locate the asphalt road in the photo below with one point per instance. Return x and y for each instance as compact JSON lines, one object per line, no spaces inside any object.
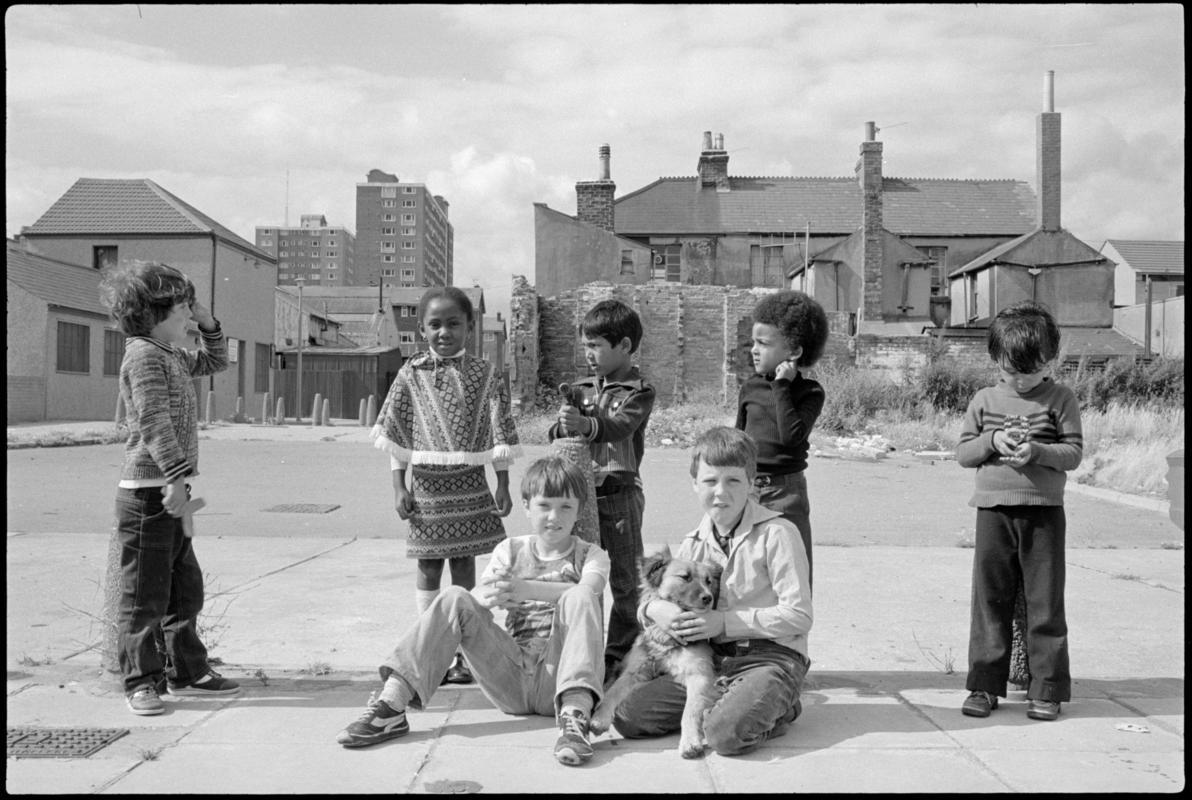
{"x":898,"y":501}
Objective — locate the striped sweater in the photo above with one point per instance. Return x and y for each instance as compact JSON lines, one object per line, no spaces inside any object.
{"x":157,"y":385}
{"x":1051,"y":414}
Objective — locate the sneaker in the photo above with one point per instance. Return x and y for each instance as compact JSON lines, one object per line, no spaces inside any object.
{"x":979,"y":704}
{"x":1043,"y":709}
{"x":572,"y":747}
{"x":379,"y":723}
{"x":210,"y":685}
{"x":458,"y":672}
{"x":145,"y":702}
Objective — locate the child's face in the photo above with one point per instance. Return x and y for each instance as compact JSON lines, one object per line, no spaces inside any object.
{"x":1021,"y":382}
{"x":552,"y":519}
{"x":770,"y":348}
{"x":172,"y":329}
{"x":445,"y":326}
{"x":604,"y":358}
{"x":723,"y":493}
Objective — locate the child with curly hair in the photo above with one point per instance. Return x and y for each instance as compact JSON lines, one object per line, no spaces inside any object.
{"x":778,"y":406}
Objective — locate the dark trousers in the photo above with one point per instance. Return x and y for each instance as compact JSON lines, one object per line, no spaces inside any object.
{"x":787,"y":494}
{"x":1019,"y":545}
{"x":621,"y":537}
{"x":161,"y":592}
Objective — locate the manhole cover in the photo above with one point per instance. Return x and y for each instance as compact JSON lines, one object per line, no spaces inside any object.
{"x":60,"y":742}
{"x":303,"y":508}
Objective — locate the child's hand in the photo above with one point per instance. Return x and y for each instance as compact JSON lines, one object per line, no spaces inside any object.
{"x":1024,"y":454}
{"x":174,"y":498}
{"x":504,"y":502}
{"x":1003,"y":444}
{"x":692,"y":627}
{"x":202,"y":316}
{"x":490,"y":596}
{"x":573,"y":422}
{"x":786,"y":370}
{"x":403,"y":502}
{"x":511,"y":590}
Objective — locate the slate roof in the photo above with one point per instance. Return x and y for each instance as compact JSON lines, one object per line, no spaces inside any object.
{"x":1094,"y":342}
{"x":111,"y":207}
{"x":1029,"y":246}
{"x":1151,"y":257}
{"x":910,"y":206}
{"x":70,"y":286}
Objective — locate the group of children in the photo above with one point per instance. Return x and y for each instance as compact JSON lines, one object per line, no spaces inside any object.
{"x":447,"y":417}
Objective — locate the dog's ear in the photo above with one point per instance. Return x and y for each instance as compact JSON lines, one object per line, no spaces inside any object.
{"x":653,"y":566}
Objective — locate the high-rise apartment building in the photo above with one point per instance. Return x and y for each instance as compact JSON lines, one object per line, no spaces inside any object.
{"x":321,"y":254}
{"x":403,"y":237}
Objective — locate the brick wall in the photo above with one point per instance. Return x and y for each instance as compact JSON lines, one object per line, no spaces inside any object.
{"x":25,"y":397}
{"x":594,"y":203}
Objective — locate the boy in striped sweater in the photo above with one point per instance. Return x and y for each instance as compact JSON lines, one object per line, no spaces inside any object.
{"x":1022,"y":436}
{"x":161,"y":581}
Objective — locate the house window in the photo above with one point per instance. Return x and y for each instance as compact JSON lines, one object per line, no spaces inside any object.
{"x":666,"y":263}
{"x":405,"y":311}
{"x":406,"y":337}
{"x":103,"y":256}
{"x":626,"y":262}
{"x":939,"y":269}
{"x":74,"y":347}
{"x":113,"y":351}
{"x":767,"y":266}
{"x":407,"y":274}
{"x":260,"y":369}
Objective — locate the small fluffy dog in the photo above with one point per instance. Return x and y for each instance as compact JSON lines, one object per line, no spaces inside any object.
{"x":693,"y":586}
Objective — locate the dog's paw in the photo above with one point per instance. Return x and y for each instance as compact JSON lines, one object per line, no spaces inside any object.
{"x":599,"y":724}
{"x":689,"y":748}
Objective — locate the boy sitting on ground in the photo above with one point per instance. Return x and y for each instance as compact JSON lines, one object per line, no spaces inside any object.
{"x":548,"y":661}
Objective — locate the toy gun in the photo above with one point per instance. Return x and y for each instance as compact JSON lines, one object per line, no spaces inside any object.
{"x":188,"y":510}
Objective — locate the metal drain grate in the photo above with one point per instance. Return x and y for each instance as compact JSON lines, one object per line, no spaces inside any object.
{"x":303,"y":508}
{"x":59,"y":742}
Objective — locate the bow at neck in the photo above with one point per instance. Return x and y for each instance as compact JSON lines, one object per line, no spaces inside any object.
{"x":435,"y":361}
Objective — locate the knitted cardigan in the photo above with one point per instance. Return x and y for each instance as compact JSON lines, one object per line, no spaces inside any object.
{"x":447,"y":411}
{"x":157,"y":385}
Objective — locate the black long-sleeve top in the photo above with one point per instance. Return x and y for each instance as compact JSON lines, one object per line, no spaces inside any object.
{"x":779,"y":414}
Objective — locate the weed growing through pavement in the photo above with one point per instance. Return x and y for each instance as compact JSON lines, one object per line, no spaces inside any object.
{"x":27,"y":660}
{"x":261,"y":676}
{"x":1171,"y":545}
{"x":318,"y":668}
{"x":1126,"y":576}
{"x":148,"y":754}
{"x":947,"y":663}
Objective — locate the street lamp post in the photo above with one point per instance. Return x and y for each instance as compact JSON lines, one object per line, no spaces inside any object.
{"x":301,"y":313}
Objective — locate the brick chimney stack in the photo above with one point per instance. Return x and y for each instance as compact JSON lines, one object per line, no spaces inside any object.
{"x":869,"y":176}
{"x":713,"y":163}
{"x":1048,"y":159}
{"x":594,"y":199}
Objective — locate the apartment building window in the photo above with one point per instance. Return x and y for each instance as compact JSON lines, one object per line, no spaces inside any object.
{"x":767,"y":265}
{"x":388,"y":203}
{"x":387,"y":218}
{"x":260,"y":368}
{"x":74,"y":347}
{"x":408,"y":190}
{"x":407,"y":231}
{"x":407,"y":274}
{"x":388,"y":191}
{"x":626,"y":262}
{"x":332,"y":254}
{"x":939,"y":269}
{"x":266,"y":231}
{"x":405,"y":337}
{"x":331,"y":267}
{"x":407,"y":245}
{"x":314,"y":242}
{"x":407,"y":259}
{"x":387,"y":273}
{"x":387,"y":245}
{"x":103,"y":256}
{"x":266,"y":243}
{"x":113,"y":352}
{"x":666,"y":263}
{"x":409,"y":204}
{"x":407,"y":218}
{"x":387,"y":259}
{"x":388,"y":231}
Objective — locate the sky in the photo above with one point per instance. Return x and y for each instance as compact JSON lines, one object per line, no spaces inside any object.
{"x":498,"y":107}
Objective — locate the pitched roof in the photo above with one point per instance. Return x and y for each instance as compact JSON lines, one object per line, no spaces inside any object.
{"x":1149,"y":256}
{"x":110,"y":206}
{"x":1039,"y":248}
{"x":911,"y":206}
{"x":58,"y":283}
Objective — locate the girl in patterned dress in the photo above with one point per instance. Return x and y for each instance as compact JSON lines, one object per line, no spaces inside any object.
{"x":447,"y":415}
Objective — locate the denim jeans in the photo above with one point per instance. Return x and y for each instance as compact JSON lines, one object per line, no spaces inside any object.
{"x":161,"y":592}
{"x":759,"y":689}
{"x":1019,"y":544}
{"x":787,"y":494}
{"x":621,"y":537}
{"x":519,"y":678}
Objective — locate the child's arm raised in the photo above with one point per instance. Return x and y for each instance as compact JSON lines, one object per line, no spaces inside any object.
{"x":795,"y":418}
{"x":213,"y":355}
{"x":624,"y":421}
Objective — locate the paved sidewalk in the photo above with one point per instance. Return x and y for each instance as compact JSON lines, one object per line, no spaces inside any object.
{"x":302,"y":621}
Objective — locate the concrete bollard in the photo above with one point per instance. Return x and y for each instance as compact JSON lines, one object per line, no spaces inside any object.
{"x":315,"y":408}
{"x":372,"y":411}
{"x":363,"y":410}
{"x":327,"y":411}
{"x":576,"y":450}
{"x":239,"y":410}
{"x":265,"y":405}
{"x":210,"y":407}
{"x":280,"y":417}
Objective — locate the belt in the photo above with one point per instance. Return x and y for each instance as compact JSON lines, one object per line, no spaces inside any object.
{"x":764,"y":479}
{"x":744,"y":647}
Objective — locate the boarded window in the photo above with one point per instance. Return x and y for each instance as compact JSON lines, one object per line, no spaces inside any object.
{"x":74,"y":347}
{"x":767,"y":265}
{"x":626,"y":262}
{"x":939,"y":269}
{"x":113,"y":352}
{"x":103,"y":256}
{"x":666,"y":263}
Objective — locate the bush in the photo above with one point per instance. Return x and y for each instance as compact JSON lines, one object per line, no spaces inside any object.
{"x":1129,"y":382}
{"x":949,"y":387}
{"x":854,"y":397}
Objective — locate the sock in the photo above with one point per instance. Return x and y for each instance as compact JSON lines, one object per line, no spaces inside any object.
{"x":578,"y":699}
{"x":396,"y":692}
{"x":424,"y":597}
